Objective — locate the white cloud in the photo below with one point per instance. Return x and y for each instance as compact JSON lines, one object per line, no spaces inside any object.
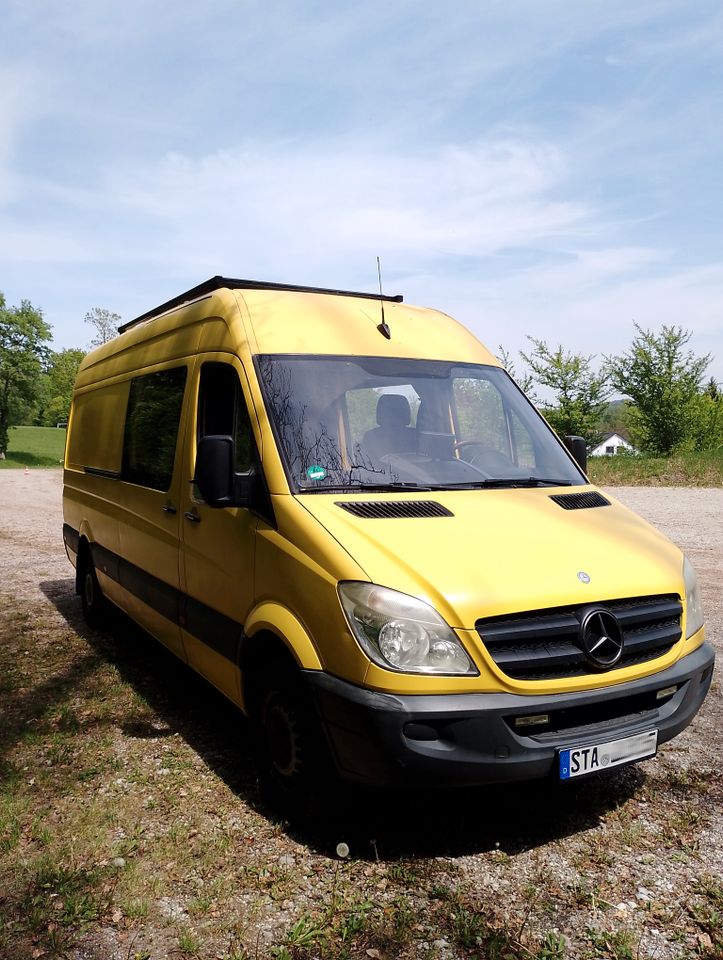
{"x":290,"y":203}
{"x":528,"y":167}
{"x":292,"y":212}
{"x":313,"y":203}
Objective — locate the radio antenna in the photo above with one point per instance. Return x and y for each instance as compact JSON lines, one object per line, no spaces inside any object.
{"x":383,"y":327}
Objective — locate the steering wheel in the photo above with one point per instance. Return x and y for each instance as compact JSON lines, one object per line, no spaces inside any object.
{"x":484,"y":456}
{"x":460,"y":444}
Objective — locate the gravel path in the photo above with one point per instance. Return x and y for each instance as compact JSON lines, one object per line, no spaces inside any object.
{"x":623,"y":868}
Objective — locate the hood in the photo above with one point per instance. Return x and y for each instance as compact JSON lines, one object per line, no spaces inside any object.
{"x":504,"y":551}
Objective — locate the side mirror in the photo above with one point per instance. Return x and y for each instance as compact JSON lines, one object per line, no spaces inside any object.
{"x":578,"y":450}
{"x":215,"y":477}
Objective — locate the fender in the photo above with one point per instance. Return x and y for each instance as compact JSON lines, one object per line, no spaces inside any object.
{"x":85,"y":533}
{"x":281,"y":621}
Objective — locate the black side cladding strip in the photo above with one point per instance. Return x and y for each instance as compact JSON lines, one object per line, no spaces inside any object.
{"x":155,"y":593}
{"x":214,"y":629}
{"x":106,"y":561}
{"x":71,"y":537}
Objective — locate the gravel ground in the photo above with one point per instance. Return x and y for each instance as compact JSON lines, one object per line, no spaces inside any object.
{"x":624,"y":867}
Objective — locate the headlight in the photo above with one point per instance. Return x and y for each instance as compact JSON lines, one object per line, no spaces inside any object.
{"x":402,"y":633}
{"x":693,"y":605}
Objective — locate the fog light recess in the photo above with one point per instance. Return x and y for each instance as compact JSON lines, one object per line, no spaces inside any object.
{"x":537,"y":720}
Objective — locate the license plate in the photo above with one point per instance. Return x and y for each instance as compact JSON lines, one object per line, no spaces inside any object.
{"x":578,"y":761}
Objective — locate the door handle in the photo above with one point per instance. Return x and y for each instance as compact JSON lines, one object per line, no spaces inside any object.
{"x":169,"y":508}
{"x":193,"y":517}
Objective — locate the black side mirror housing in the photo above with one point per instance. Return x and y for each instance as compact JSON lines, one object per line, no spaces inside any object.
{"x":215,"y":477}
{"x":578,"y":450}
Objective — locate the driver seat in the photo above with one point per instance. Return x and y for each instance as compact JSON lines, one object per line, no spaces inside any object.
{"x":393,"y":435}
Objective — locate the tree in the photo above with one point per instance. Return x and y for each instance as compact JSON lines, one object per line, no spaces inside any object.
{"x":57,"y":387}
{"x":580,"y":394}
{"x":712,"y":389}
{"x":615,"y":418}
{"x":23,"y":353}
{"x":663,"y":381}
{"x":707,"y":429}
{"x":106,"y":324}
{"x":523,"y":380}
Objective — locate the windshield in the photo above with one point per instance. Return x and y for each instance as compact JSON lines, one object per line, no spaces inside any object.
{"x":371,"y":422}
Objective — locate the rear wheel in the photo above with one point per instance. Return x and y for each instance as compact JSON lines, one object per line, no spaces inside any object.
{"x":95,"y":605}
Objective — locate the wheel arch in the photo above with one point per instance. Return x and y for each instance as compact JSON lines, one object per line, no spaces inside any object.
{"x":273,"y":635}
{"x":273,"y":619}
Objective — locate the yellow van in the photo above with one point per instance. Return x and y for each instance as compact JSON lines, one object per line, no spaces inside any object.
{"x":342,"y":512}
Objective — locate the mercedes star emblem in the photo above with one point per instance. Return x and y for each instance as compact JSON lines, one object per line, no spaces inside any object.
{"x":601,"y":638}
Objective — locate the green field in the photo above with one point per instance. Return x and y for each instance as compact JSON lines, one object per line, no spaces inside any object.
{"x":34,"y":447}
{"x":681,"y":470}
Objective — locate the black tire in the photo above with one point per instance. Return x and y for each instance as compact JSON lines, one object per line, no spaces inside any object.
{"x":95,"y":605}
{"x":290,"y":745}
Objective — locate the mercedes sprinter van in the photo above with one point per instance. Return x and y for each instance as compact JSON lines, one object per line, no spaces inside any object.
{"x":342,"y":512}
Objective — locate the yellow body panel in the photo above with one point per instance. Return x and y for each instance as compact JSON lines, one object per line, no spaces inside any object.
{"x":505,"y":551}
{"x":502,"y":551}
{"x":525,"y":554}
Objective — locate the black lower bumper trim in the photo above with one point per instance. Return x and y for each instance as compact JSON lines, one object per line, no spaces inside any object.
{"x":387,"y":739}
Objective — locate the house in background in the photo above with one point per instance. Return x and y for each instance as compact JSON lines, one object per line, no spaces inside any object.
{"x":612,"y":445}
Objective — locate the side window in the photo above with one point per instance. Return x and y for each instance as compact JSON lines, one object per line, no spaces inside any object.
{"x":222,"y":410}
{"x":151,"y":429}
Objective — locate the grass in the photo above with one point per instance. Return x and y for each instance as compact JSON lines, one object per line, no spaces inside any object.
{"x":131,"y":825}
{"x":34,"y":447}
{"x":680,"y":470}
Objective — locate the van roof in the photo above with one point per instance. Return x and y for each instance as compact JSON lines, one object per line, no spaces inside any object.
{"x":249,"y":318}
{"x":217,"y":283}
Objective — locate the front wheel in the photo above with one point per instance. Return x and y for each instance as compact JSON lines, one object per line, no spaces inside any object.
{"x":290,"y":744}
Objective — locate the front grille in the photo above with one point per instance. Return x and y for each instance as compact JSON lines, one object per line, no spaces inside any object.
{"x":386,"y":509}
{"x":544,"y":644}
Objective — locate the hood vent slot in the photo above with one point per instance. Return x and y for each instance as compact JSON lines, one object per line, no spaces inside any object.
{"x":386,"y":509}
{"x":580,"y":501}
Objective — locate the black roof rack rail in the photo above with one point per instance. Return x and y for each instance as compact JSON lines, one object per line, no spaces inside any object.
{"x":216,"y":283}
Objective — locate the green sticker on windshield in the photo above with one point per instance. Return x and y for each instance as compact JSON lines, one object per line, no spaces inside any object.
{"x":315,"y":473}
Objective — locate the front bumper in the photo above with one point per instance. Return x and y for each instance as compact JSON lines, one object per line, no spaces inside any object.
{"x":387,"y":739}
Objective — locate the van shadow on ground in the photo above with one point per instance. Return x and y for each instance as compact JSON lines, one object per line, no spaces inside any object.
{"x":375,"y":825}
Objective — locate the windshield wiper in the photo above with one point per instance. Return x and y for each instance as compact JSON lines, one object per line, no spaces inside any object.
{"x":525,"y":482}
{"x":366,"y":488}
{"x":492,"y":482}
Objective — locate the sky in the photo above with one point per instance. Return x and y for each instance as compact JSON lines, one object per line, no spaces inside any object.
{"x":541,"y":168}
